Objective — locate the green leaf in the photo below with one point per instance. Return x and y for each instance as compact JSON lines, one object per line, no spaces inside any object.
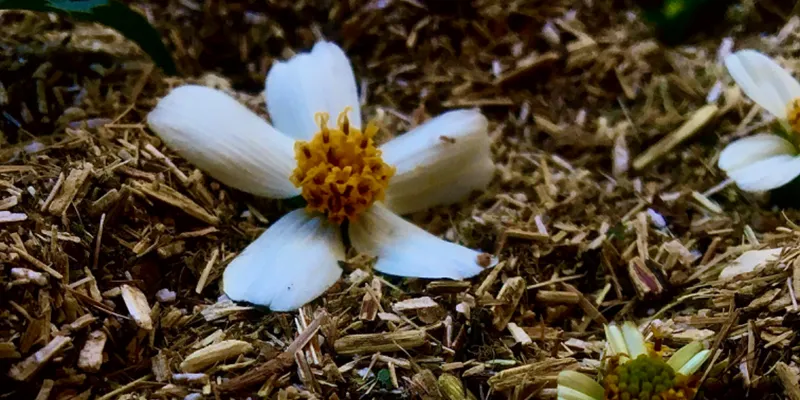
{"x":111,"y":13}
{"x":676,"y":20}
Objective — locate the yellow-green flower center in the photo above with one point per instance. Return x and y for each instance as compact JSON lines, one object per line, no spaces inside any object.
{"x":340,"y":170}
{"x":646,"y":378}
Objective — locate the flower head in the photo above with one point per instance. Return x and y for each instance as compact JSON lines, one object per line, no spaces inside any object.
{"x":318,"y":148}
{"x":340,"y":170}
{"x":764,"y":161}
{"x":635,"y":370}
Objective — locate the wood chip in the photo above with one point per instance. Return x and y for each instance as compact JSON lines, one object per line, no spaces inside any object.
{"x":45,"y":390}
{"x":414,"y":304}
{"x":210,"y":355}
{"x":8,"y":350}
{"x":201,"y":283}
{"x":91,"y":356}
{"x":556,"y":297}
{"x":160,"y":367}
{"x":74,"y":182}
{"x":6,"y":216}
{"x":509,"y":295}
{"x":694,"y":124}
{"x":789,"y":379}
{"x":138,"y":307}
{"x":371,"y":302}
{"x":36,"y":263}
{"x":27,"y":368}
{"x":531,"y":374}
{"x":172,"y":197}
{"x":520,"y":336}
{"x":379,"y":342}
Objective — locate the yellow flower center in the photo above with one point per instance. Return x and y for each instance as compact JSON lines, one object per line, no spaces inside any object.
{"x":340,"y":170}
{"x":793,"y":115}
{"x":648,"y":378}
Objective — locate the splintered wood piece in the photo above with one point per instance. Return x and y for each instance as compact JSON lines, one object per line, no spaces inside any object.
{"x":531,"y":374}
{"x":75,"y":180}
{"x":789,"y":380}
{"x":519,"y":334}
{"x":46,"y":389}
{"x":160,"y":367}
{"x":509,"y":295}
{"x":210,"y":355}
{"x":587,"y":306}
{"x":8,"y":350}
{"x":379,"y":342}
{"x":222,"y":310}
{"x":36,"y":263}
{"x":645,"y":281}
{"x":278,"y":364}
{"x":7,"y":216}
{"x":201,"y":283}
{"x":414,"y":304}
{"x":91,"y":357}
{"x":174,"y":198}
{"x":556,"y":297}
{"x":371,"y":302}
{"x":694,"y":124}
{"x":29,"y":275}
{"x":25,"y":369}
{"x":138,"y":307}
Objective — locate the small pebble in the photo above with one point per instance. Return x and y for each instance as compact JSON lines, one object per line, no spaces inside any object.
{"x":165,"y":296}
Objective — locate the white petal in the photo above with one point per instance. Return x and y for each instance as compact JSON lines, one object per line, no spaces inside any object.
{"x":752,"y":149}
{"x":684,"y":354}
{"x":308,"y":83}
{"x":615,"y":340}
{"x":404,"y":249}
{"x":580,"y":383}
{"x":634,"y":340}
{"x":767,"y":174}
{"x":695,"y":363}
{"x":440,"y":162}
{"x":566,"y":393}
{"x":763,"y":80}
{"x":290,"y":264}
{"x":222,"y":137}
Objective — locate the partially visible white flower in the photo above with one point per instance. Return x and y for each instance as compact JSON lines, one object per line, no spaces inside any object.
{"x":631,"y":369}
{"x":764,"y":161}
{"x":320,"y":148}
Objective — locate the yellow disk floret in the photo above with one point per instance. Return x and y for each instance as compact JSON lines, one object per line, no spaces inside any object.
{"x":340,"y":171}
{"x":793,"y":115}
{"x":647,"y":378}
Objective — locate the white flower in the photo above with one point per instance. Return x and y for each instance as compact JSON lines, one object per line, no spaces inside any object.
{"x":632,"y":370}
{"x":629,"y":342}
{"x":319,"y":148}
{"x":764,"y":161}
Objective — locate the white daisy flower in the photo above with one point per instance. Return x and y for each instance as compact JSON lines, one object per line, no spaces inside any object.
{"x":319,"y":148}
{"x":634,"y":370}
{"x":764,"y":161}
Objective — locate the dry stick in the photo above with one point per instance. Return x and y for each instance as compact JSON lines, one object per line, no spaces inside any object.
{"x":201,"y":283}
{"x":97,"y":245}
{"x":276,"y":365}
{"x":53,"y":192}
{"x":734,"y":316}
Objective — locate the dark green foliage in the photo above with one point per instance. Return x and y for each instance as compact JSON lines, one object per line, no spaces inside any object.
{"x":111,"y":13}
{"x":676,"y":20}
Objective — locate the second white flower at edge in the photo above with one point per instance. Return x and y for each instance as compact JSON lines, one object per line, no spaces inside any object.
{"x":764,"y":161}
{"x":296,"y":259}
